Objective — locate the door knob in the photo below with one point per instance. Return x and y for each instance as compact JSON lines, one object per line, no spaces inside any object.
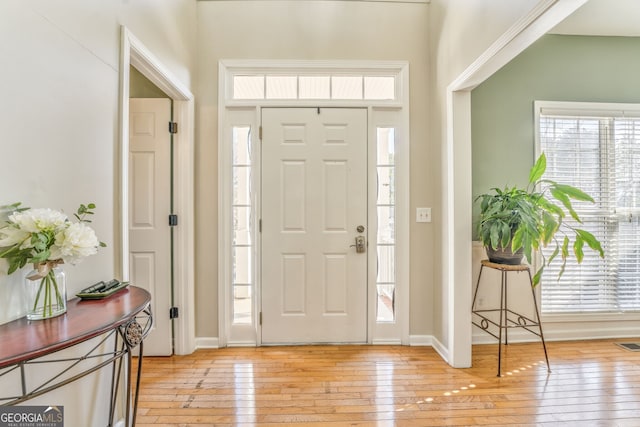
{"x":360,"y":244}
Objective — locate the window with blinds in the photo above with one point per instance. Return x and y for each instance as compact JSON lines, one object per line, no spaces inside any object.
{"x":596,"y":147}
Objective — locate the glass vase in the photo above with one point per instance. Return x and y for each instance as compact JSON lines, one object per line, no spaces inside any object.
{"x":46,"y":295}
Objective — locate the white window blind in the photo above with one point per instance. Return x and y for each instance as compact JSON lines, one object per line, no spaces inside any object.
{"x":598,"y":152}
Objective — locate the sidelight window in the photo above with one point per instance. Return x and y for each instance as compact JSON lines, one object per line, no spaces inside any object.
{"x":386,"y":244}
{"x":242,"y":243}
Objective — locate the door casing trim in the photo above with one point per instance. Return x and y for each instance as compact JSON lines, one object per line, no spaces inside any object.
{"x":380,"y":113}
{"x":134,"y":53}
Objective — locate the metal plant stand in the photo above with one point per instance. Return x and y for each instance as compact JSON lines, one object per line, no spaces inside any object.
{"x":508,"y":318}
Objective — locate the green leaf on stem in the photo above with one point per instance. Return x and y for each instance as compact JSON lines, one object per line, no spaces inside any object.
{"x":574,"y":193}
{"x":538,"y":169}
{"x":591,"y":241}
{"x":537,"y":276}
{"x":578,"y":246}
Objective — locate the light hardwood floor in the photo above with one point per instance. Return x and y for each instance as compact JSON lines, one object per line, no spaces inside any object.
{"x":592,"y":383}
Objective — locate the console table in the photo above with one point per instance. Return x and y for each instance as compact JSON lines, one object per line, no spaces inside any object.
{"x":125,"y":315}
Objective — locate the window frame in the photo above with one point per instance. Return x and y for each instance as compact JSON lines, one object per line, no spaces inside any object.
{"x":585,"y":109}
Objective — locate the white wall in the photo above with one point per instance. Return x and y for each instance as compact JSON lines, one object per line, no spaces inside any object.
{"x":312,"y":30}
{"x":59,"y":81}
{"x":460,"y":31}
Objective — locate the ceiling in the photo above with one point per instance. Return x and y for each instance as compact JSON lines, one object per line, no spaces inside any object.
{"x":603,"y":18}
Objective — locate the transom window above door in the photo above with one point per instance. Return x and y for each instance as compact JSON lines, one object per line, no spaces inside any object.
{"x":316,"y":86}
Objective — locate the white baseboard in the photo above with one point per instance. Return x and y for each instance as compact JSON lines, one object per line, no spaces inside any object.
{"x":414,"y":341}
{"x":562,"y":332}
{"x":386,"y":342}
{"x":556,"y":332}
{"x":441,"y":350}
{"x":515,"y":336}
{"x":420,"y":340}
{"x":242,"y":344}
{"x":430,"y":341}
{"x":207,"y":342}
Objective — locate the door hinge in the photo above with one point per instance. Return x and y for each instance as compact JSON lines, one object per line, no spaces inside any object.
{"x":260,"y":318}
{"x":260,"y":226}
{"x":173,"y":220}
{"x":260,"y":133}
{"x":173,"y":127}
{"x":173,"y":313}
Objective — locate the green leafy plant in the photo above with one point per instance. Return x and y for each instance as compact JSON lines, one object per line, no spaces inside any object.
{"x":531,"y":218}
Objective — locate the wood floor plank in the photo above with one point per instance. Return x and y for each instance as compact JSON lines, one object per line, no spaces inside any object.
{"x":592,"y":383}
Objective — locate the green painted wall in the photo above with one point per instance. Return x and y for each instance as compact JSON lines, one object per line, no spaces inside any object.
{"x":556,"y":68}
{"x":141,"y":87}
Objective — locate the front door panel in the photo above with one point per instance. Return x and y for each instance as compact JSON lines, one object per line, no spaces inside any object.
{"x":314,"y":198}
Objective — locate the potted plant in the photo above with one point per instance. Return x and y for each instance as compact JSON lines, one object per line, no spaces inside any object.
{"x":47,"y":239}
{"x":520,"y":221}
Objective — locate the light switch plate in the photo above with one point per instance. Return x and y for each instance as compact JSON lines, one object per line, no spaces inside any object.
{"x":423,"y":214}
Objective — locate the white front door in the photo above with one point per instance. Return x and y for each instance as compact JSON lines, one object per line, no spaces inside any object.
{"x":314,"y":205}
{"x":149,"y":209}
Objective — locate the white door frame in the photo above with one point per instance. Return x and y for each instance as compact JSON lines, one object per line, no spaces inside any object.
{"x":134,"y":53}
{"x":381,"y":113}
{"x":457,"y":230}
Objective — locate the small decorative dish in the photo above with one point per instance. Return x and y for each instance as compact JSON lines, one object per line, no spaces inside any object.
{"x":102,"y":290}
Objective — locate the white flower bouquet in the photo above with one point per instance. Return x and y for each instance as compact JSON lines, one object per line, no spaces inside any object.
{"x":46,"y":238}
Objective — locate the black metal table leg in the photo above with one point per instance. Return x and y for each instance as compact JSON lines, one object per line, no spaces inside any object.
{"x":501,"y":323}
{"x":137,"y":393}
{"x":475,"y":294}
{"x":535,"y":304}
